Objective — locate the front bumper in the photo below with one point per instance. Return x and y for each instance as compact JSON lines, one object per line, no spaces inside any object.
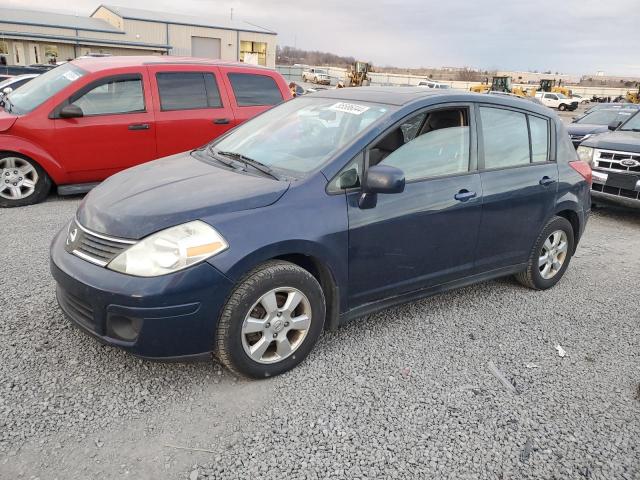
{"x":166,"y":317}
{"x":606,"y":190}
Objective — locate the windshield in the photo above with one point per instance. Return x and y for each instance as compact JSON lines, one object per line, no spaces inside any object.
{"x":33,"y":94}
{"x":605,"y":117}
{"x":632,"y":124}
{"x":301,"y":134}
{"x":320,"y":71}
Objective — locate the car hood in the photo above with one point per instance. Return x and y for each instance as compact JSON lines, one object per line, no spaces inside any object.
{"x":617,"y":140}
{"x":6,"y":120}
{"x":585,"y":128}
{"x":170,"y":191}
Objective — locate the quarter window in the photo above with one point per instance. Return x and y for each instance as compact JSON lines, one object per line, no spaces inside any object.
{"x":118,"y":95}
{"x":539,"y":129}
{"x":506,"y":138}
{"x":187,"y":90}
{"x":254,"y":90}
{"x":439,"y":146}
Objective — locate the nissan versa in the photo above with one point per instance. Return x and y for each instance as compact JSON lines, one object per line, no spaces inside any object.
{"x":322,"y":209}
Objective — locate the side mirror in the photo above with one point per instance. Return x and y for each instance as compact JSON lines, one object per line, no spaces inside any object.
{"x":7,"y":90}
{"x":380,"y":179}
{"x":614,"y":125}
{"x":71,"y":111}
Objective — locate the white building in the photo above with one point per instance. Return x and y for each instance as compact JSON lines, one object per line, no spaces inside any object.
{"x":31,"y":37}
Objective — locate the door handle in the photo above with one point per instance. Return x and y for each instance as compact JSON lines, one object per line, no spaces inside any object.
{"x":221,"y":121}
{"x":139,"y":126}
{"x":464,"y":195}
{"x":546,"y":181}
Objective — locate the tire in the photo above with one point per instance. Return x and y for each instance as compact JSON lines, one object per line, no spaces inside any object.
{"x":271,"y":322}
{"x":533,"y":276}
{"x":22,"y":181}
{"x":562,"y":107}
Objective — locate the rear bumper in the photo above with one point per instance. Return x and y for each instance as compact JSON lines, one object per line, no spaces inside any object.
{"x":167,"y":317}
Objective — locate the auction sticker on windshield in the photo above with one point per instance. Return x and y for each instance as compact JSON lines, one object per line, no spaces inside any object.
{"x":352,"y":108}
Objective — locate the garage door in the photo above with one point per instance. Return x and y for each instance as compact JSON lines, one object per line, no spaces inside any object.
{"x":205,"y":47}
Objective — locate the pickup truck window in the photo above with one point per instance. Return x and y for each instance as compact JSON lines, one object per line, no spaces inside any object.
{"x":253,"y":90}
{"x":187,"y":90}
{"x":111,"y":96}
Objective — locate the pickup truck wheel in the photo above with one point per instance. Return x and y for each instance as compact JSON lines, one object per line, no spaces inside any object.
{"x":562,"y":107}
{"x":271,"y":320}
{"x":22,"y":181}
{"x":550,"y":255}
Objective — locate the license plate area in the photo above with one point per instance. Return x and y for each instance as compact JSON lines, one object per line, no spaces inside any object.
{"x":621,"y":180}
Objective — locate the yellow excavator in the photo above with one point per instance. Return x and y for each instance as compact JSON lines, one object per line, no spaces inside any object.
{"x":633,"y":96}
{"x":549,"y":85}
{"x":358,"y":75}
{"x":500,"y":84}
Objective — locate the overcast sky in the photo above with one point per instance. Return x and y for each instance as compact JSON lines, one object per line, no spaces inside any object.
{"x":569,"y":36}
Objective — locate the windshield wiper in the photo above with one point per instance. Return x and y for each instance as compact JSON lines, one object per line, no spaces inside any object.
{"x":6,"y":103}
{"x":250,"y":161}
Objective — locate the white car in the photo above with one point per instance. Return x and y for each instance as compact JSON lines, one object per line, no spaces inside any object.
{"x":579,"y":98}
{"x":432,"y":84}
{"x":316,"y":75}
{"x":10,"y":84}
{"x":557,"y":100}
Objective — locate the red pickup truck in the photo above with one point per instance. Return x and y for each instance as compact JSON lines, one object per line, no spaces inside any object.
{"x":87,"y":119}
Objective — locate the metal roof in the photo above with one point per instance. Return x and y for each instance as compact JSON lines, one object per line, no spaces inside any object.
{"x":57,"y":20}
{"x":178,"y":19}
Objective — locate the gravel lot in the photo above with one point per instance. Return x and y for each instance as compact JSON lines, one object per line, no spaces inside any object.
{"x":405,"y":393}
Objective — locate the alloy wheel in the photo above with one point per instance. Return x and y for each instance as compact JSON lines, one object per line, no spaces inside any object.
{"x":553,"y":254}
{"x":276,"y":325}
{"x":18,"y":178}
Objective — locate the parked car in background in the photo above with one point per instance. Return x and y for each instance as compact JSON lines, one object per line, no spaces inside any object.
{"x":83,"y":121}
{"x":615,"y":159}
{"x":600,"y":106}
{"x":579,"y":98}
{"x":432,"y":84}
{"x":596,"y":122}
{"x":10,"y":84}
{"x":220,"y":249}
{"x":316,"y":75}
{"x":557,"y":100}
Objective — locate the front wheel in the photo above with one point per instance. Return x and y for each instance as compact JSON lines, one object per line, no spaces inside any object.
{"x":562,"y":107}
{"x":550,"y":255}
{"x":22,"y":181}
{"x":271,"y":321}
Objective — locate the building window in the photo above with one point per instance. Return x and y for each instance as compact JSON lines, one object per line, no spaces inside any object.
{"x":4,"y":48}
{"x":253,"y":52}
{"x":51,"y":53}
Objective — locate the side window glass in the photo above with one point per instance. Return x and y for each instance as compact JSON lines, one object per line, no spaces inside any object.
{"x":440,"y":147}
{"x":506,"y":138}
{"x":112,"y":97}
{"x":253,"y":90}
{"x":349,"y":176}
{"x":411,"y":127}
{"x":539,"y":129}
{"x":187,"y":90}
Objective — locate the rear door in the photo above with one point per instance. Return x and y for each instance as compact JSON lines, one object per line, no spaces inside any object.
{"x":253,"y":91}
{"x":519,"y":183}
{"x":191,"y":106}
{"x":115,"y":132}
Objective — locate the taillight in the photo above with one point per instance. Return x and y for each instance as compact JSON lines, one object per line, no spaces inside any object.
{"x":583,"y":169}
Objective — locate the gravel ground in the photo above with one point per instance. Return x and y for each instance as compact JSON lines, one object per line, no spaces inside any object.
{"x":405,"y":393}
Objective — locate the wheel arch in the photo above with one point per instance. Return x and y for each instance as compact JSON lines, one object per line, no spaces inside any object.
{"x":574,"y":219}
{"x":25,"y":148}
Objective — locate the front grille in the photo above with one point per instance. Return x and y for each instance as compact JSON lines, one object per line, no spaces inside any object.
{"x":79,"y":311}
{"x":611,"y":160}
{"x":94,"y":247}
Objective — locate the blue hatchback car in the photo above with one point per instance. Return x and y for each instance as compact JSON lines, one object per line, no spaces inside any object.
{"x":322,"y":209}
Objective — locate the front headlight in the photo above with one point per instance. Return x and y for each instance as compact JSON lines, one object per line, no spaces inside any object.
{"x":585,"y":154}
{"x":170,"y":250}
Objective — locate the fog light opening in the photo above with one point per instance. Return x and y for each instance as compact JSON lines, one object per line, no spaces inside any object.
{"x":124,"y":328}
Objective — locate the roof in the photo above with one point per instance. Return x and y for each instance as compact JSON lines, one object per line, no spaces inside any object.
{"x":179,"y":19}
{"x":93,"y":64}
{"x":58,"y":20}
{"x":401,"y":96}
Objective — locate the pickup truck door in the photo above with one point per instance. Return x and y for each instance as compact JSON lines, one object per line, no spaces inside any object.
{"x":115,"y":132}
{"x":191,"y":106}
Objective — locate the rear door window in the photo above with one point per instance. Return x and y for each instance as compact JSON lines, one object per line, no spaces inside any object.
{"x":506,"y":138}
{"x":188,"y":90}
{"x":253,"y":90}
{"x":539,"y":128}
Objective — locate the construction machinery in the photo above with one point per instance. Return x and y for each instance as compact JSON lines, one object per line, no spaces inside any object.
{"x":500,"y":84}
{"x":633,"y":96}
{"x":550,"y":85}
{"x":358,"y":74}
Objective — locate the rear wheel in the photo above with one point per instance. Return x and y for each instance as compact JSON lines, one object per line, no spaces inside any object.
{"x":550,"y":255}
{"x":271,"y":321}
{"x":22,"y":181}
{"x":562,"y":107}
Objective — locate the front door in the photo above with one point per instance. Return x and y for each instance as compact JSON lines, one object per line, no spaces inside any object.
{"x":115,"y":132}
{"x":519,"y":183}
{"x":192,"y":107}
{"x":427,"y":234}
